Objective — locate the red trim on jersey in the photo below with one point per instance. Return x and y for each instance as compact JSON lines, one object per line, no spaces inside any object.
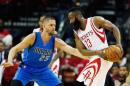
{"x":102,"y":38}
{"x":95,"y":65}
{"x":102,"y":32}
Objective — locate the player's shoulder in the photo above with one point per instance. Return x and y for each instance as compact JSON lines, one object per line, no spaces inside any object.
{"x":30,"y":37}
{"x":98,"y":18}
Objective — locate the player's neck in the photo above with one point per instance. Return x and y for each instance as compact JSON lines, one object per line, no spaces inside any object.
{"x":83,"y":24}
{"x":45,"y":36}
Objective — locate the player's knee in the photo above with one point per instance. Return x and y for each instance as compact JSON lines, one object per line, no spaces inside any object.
{"x":60,"y":84}
{"x":16,"y":83}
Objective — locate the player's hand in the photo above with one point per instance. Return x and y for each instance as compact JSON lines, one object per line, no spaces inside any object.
{"x":7,"y":64}
{"x":120,"y":46}
{"x":102,"y":53}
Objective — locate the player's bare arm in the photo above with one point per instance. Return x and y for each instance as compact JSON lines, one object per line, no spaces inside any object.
{"x":55,"y":58}
{"x":83,"y":50}
{"x":27,"y":41}
{"x":100,"y":22}
{"x":59,"y":44}
{"x":79,"y":44}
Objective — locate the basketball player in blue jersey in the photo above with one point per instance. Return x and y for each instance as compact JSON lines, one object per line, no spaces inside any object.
{"x":38,"y":50}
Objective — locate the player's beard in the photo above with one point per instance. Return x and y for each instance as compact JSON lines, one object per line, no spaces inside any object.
{"x":76,"y":25}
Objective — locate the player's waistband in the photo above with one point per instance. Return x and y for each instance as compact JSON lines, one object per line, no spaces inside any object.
{"x":33,"y":69}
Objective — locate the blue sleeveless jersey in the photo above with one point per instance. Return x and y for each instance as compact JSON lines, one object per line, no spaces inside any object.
{"x":40,"y":54}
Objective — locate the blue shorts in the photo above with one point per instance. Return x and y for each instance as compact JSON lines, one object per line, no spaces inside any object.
{"x":44,"y":78}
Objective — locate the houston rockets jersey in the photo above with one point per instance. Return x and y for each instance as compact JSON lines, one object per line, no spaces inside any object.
{"x":95,"y":71}
{"x":92,"y":38}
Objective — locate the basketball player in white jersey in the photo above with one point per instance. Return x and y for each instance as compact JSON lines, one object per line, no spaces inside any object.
{"x":90,"y":35}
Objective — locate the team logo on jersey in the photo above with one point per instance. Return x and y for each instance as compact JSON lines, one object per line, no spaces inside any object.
{"x":45,"y":53}
{"x":86,"y":36}
{"x":90,"y":71}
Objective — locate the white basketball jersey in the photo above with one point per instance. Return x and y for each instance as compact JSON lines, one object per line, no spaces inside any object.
{"x":93,"y":38}
{"x":94,"y":73}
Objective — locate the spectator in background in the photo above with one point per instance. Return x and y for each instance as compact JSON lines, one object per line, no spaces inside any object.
{"x":123,"y":73}
{"x":6,"y":74}
{"x":115,"y":74}
{"x":9,"y":73}
{"x":68,"y":76}
{"x":126,"y":59}
{"x":127,"y":81}
{"x":5,"y":36}
{"x":2,"y":57}
{"x":70,"y":68}
{"x":2,"y":51}
{"x":115,"y":71}
{"x":109,"y":81}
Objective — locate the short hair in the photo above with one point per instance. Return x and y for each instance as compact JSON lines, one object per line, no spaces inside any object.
{"x":77,"y":10}
{"x":46,"y":18}
{"x":127,"y":67}
{"x":43,"y":19}
{"x":74,"y":9}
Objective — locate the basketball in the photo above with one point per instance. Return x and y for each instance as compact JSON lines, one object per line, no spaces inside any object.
{"x":113,"y":53}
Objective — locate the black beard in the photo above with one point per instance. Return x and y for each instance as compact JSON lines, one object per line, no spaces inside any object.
{"x":76,"y":25}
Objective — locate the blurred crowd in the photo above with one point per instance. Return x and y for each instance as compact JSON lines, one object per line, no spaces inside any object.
{"x":12,"y":11}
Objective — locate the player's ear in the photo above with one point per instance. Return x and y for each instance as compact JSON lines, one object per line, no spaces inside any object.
{"x":78,"y":16}
{"x":41,"y":29}
{"x":43,"y":26}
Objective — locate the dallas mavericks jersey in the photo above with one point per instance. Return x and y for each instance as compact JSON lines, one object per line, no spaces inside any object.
{"x":40,"y":54}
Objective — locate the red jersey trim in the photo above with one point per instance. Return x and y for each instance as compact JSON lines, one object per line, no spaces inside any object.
{"x":97,"y":32}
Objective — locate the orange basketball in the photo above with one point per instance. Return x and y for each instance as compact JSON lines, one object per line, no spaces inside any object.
{"x":113,"y":53}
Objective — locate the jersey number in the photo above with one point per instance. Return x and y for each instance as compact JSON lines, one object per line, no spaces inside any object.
{"x":88,"y":42}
